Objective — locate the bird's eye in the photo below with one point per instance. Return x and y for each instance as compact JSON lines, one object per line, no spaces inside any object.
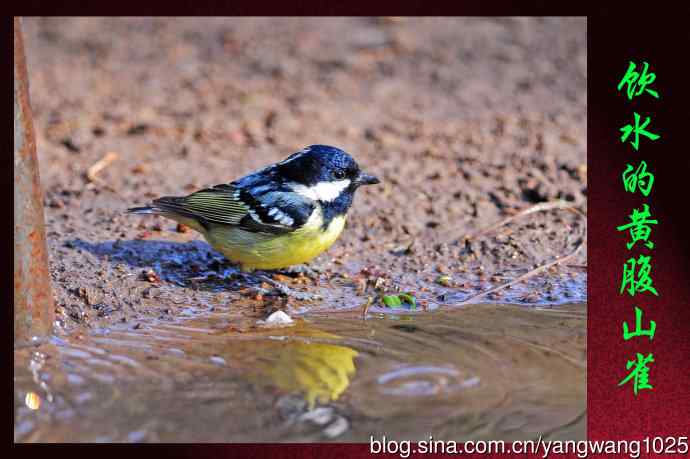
{"x":339,"y":174}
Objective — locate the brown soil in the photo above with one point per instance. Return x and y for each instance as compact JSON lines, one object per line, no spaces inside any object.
{"x":464,"y":120}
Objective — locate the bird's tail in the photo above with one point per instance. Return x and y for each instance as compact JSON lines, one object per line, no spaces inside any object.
{"x":144,"y":210}
{"x":164,"y":205}
{"x":170,"y":207}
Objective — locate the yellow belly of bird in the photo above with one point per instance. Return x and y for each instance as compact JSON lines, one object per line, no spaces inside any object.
{"x":269,"y":251}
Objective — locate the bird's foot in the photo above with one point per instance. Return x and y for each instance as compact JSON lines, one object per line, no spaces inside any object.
{"x":306,"y":270}
{"x":248,"y":281}
{"x":287,"y":291}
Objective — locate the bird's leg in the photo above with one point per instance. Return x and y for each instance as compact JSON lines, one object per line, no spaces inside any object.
{"x":253,"y":277}
{"x":287,"y":291}
{"x":249,"y":279}
{"x":306,"y":270}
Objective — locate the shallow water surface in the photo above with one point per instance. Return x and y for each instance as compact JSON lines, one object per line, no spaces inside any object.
{"x":480,"y":372}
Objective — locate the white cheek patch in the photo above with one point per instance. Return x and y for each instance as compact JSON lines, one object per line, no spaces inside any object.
{"x":322,"y":191}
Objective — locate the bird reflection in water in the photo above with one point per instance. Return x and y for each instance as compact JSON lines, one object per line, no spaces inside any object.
{"x":319,"y":370}
{"x":298,"y":361}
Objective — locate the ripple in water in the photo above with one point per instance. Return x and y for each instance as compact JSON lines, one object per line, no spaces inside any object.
{"x":420,"y":381}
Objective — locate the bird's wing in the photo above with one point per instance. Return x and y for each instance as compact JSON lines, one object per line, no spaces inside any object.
{"x":277,"y":210}
{"x":219,"y":204}
{"x":274,"y":212}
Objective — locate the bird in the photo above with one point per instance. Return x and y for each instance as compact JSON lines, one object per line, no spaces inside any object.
{"x":283,"y":215}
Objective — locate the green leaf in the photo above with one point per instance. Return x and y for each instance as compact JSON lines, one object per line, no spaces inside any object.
{"x":392,"y":301}
{"x":396,"y":301}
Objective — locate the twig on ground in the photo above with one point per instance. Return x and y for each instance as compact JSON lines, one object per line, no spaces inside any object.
{"x":536,"y":208}
{"x":576,"y":266}
{"x":542,"y":206}
{"x":93,"y":171}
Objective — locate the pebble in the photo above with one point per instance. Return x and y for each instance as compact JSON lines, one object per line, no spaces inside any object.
{"x":278,"y":318}
{"x":319,"y":416}
{"x":217,"y":360}
{"x":336,"y":429}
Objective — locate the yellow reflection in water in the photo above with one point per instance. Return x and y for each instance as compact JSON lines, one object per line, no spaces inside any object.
{"x":296,"y":360}
{"x":32,"y":400}
{"x":322,"y":371}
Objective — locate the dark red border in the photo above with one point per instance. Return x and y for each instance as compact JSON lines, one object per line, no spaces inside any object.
{"x":304,"y":8}
{"x":613,"y":39}
{"x":613,"y":412}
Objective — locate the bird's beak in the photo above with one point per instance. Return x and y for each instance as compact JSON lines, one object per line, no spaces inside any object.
{"x":366,"y":179}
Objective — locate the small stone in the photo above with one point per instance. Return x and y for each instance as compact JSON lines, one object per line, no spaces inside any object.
{"x":278,"y":318}
{"x":151,"y":276}
{"x":446,"y":281}
{"x":217,"y":360}
{"x":337,"y":428}
{"x":140,"y":168}
{"x":319,"y":416}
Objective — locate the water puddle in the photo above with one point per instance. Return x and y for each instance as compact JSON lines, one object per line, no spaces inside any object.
{"x":485,"y":371}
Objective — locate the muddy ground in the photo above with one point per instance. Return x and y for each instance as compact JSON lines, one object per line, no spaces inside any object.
{"x":464,"y":120}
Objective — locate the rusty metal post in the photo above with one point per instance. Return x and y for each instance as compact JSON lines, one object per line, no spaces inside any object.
{"x":33,"y":301}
